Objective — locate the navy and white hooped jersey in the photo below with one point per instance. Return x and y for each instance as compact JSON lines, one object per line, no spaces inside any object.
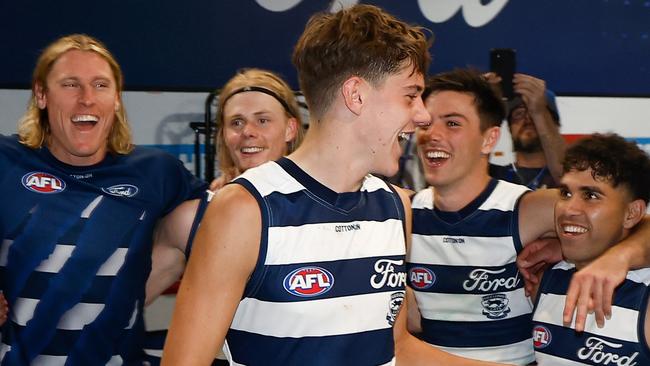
{"x":76,"y":251}
{"x":330,"y":277}
{"x":621,"y":342}
{"x":462,"y":269}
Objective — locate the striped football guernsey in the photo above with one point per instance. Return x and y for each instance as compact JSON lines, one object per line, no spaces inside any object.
{"x":330,"y":277}
{"x":76,"y":252}
{"x":621,"y":342}
{"x":462,"y":269}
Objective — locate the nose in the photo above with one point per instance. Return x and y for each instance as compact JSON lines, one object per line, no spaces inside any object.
{"x":87,"y":96}
{"x":421,"y":117}
{"x":568,"y":207}
{"x":249,"y":130}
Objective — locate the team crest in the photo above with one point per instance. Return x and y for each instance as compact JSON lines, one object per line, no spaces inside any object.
{"x":396,"y":301}
{"x":40,"y":182}
{"x":495,"y":306}
{"x":121,"y":190}
{"x":308,"y":281}
{"x":541,"y":337}
{"x":421,"y":278}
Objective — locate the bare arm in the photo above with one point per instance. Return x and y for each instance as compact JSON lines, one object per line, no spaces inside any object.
{"x":169,"y":241}
{"x":224,"y":255}
{"x":408,"y":349}
{"x":532,"y":91}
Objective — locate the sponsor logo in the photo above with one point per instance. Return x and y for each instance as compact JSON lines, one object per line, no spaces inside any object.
{"x":308,"y":281}
{"x":82,"y":176}
{"x":345,"y":228}
{"x":595,"y":350}
{"x":421,"y":278}
{"x":479,"y":279}
{"x":541,"y":337}
{"x":40,"y":182}
{"x":396,"y":301}
{"x":386,"y":274}
{"x":448,"y":240}
{"x":495,"y":306}
{"x":121,"y":190}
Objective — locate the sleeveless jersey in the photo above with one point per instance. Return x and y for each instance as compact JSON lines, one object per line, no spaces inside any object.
{"x":330,"y":277}
{"x":76,"y":251}
{"x":462,"y":269}
{"x":621,"y":342}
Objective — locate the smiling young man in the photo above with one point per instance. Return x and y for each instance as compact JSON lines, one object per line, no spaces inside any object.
{"x":604,"y":192}
{"x":469,"y":228}
{"x":78,"y":215}
{"x":301,"y":261}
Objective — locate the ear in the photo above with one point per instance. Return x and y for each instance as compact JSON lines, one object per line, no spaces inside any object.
{"x":490,"y":139}
{"x":635,"y":212}
{"x":39,"y":94}
{"x":118,"y":104}
{"x":291,"y":131}
{"x":352,"y":94}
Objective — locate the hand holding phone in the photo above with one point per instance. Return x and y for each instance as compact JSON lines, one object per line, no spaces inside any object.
{"x":503,"y":63}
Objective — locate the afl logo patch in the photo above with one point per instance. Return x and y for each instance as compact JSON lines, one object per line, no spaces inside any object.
{"x":541,"y":337}
{"x":308,"y":281}
{"x":40,"y":182}
{"x":121,"y":190}
{"x":421,"y":278}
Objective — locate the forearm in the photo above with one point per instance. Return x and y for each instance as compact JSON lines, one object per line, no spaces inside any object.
{"x":552,"y":142}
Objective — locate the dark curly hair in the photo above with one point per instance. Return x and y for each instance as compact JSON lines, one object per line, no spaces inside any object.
{"x":613,"y":159}
{"x":487,"y":98}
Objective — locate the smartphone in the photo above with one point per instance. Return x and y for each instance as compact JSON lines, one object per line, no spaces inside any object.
{"x":503,"y":63}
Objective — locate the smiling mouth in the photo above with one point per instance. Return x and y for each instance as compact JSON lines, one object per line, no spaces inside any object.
{"x":573,"y":229}
{"x":251,"y":150}
{"x":85,"y":120}
{"x":437,"y":157}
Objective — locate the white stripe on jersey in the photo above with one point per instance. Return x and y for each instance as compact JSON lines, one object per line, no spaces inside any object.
{"x":476,"y":251}
{"x":544,"y":359}
{"x":43,"y":360}
{"x":74,"y":319}
{"x":515,"y":353}
{"x":463,"y":307}
{"x":502,"y":198}
{"x":551,"y":307}
{"x":358,"y":314}
{"x":61,"y":254}
{"x":287,"y":244}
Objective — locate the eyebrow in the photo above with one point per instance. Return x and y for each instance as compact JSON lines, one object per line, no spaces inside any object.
{"x":454,"y":114}
{"x":416,"y":88}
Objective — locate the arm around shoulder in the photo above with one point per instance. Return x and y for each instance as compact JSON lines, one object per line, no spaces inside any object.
{"x":223,"y":257}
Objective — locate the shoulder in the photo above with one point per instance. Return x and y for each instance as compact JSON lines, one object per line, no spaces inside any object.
{"x":423,"y":199}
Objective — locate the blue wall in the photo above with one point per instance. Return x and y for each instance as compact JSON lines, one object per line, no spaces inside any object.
{"x":581,"y":47}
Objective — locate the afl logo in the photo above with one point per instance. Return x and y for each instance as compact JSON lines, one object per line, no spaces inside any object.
{"x":122,"y":190}
{"x":40,"y":182}
{"x":308,"y":281}
{"x":421,"y":278}
{"x":541,"y":337}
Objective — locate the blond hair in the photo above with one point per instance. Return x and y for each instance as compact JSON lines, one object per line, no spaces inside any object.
{"x":261,"y":79}
{"x":34,"y":128}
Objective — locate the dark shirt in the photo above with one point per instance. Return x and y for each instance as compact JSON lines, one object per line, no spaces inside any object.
{"x":533,"y":178}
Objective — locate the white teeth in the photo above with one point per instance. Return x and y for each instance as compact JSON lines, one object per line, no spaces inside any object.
{"x":404,"y":135}
{"x":437,"y":154}
{"x":574,"y":229}
{"x":84,"y":118}
{"x":251,"y":150}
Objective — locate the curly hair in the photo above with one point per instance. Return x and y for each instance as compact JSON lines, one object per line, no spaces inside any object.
{"x":363,"y":41}
{"x":613,"y":159}
{"x":34,"y":127}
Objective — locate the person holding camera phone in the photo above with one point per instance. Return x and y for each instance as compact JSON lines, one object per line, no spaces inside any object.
{"x":534,"y":124}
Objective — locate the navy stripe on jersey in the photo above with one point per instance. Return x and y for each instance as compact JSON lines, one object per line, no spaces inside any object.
{"x":459,"y":279}
{"x":38,"y":283}
{"x":559,"y":285}
{"x":356,"y":272}
{"x":255,"y":349}
{"x":563,"y":345}
{"x":258,"y":272}
{"x":295,"y":209}
{"x":491,"y":223}
{"x":483,"y":334}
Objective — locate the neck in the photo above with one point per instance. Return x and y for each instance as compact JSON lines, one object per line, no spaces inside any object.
{"x":332,"y":157}
{"x":530,"y":160}
{"x":455,"y":196}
